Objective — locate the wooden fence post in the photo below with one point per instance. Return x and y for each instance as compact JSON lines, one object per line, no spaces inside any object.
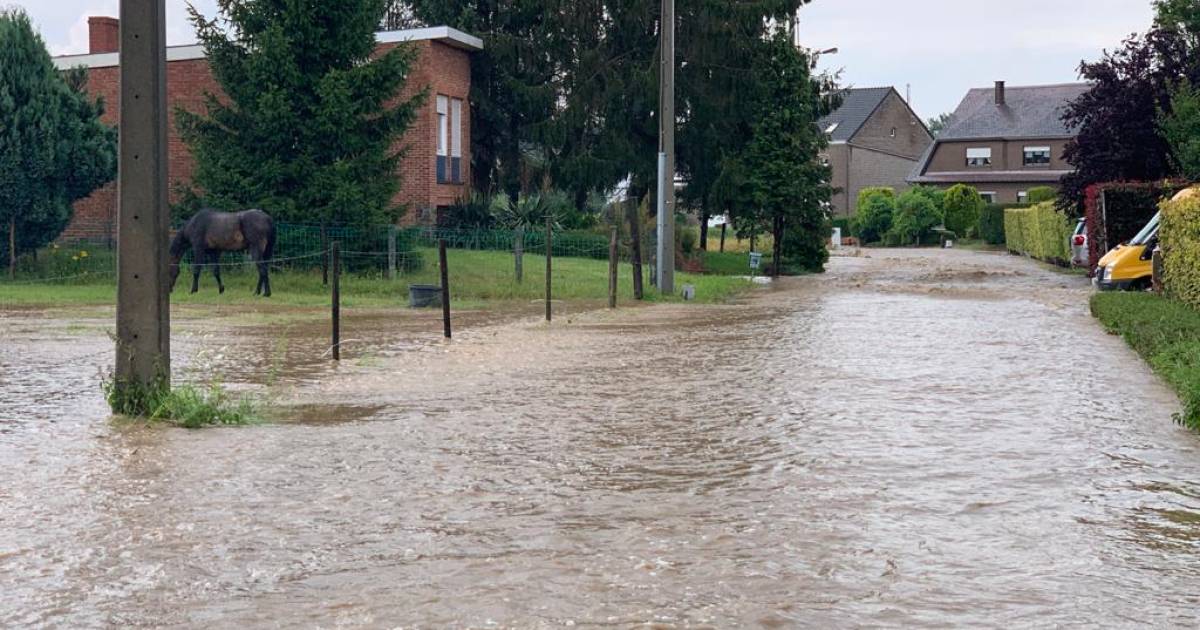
{"x":549,"y":257}
{"x":336,"y":263}
{"x":633,"y":215}
{"x":723,"y":226}
{"x":445,"y":287}
{"x":391,"y":273}
{"x":612,"y":269}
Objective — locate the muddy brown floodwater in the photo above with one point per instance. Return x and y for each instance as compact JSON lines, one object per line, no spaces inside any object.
{"x":915,"y":439}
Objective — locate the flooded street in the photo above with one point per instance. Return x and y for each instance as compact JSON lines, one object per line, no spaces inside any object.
{"x":914,"y":439}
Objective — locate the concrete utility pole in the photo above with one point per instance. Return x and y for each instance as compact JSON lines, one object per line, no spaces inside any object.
{"x":143,"y":307}
{"x":665,"y":267}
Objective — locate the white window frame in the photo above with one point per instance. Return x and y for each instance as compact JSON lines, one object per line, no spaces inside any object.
{"x":443,"y":125}
{"x":978,"y":157}
{"x":832,"y":128}
{"x":456,"y":127}
{"x":1022,"y":196}
{"x":988,"y":196}
{"x":1036,"y":149}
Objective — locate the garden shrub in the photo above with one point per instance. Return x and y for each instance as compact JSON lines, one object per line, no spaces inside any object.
{"x":1179,"y":237}
{"x":961,"y":205}
{"x":1039,"y":231}
{"x":1040,"y":194}
{"x":991,"y":223}
{"x":874,"y":217}
{"x":874,"y":191}
{"x":916,"y":217}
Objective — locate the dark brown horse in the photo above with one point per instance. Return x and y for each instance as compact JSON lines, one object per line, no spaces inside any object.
{"x":210,"y":232}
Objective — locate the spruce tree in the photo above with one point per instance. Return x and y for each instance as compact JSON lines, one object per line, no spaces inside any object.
{"x":54,"y":150}
{"x":787,"y":183}
{"x":309,"y":125}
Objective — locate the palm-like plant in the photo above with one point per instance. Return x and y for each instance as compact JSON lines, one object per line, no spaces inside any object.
{"x":526,"y":213}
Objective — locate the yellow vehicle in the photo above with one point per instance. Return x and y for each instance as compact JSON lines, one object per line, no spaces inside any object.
{"x":1129,"y":266}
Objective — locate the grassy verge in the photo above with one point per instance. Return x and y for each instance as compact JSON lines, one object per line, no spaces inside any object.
{"x":730,"y":263}
{"x":1165,"y":333}
{"x":476,"y":279}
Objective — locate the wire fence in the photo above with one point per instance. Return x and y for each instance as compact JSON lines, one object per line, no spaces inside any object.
{"x":380,"y":250}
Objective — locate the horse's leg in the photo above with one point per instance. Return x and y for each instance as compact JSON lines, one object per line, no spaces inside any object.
{"x":256,"y":257}
{"x":214,"y":257}
{"x":264,"y":272}
{"x":197,"y":267}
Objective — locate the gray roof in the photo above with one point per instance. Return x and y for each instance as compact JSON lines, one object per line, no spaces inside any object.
{"x":1029,"y":111}
{"x":857,"y":106}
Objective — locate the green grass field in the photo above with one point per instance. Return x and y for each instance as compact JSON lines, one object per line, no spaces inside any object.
{"x":476,"y":279}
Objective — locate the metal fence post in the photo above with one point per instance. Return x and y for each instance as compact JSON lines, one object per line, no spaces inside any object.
{"x":549,"y":257}
{"x":445,"y":287}
{"x":336,"y":263}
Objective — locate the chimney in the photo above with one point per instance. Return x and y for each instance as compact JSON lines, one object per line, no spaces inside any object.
{"x":104,"y":35}
{"x":1000,"y":93}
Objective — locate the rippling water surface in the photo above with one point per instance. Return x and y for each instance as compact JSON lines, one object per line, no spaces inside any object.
{"x":915,"y":439}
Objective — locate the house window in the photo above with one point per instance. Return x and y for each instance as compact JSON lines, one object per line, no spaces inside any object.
{"x":1037,"y":156}
{"x":832,"y":128}
{"x":988,"y":197}
{"x":1022,"y":197}
{"x":449,"y":140}
{"x":893,"y":132}
{"x":979,"y":156}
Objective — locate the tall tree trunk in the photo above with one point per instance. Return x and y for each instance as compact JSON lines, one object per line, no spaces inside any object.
{"x":778,"y":247}
{"x":704,"y":229}
{"x":12,"y":248}
{"x":635,"y":245}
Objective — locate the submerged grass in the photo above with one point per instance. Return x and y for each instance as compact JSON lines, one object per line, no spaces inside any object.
{"x":187,"y":406}
{"x":1165,"y":333}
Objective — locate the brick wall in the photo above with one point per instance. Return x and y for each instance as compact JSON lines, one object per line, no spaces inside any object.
{"x":442,"y":68}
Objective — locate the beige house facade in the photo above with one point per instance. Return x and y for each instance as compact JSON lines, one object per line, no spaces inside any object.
{"x":1003,"y":141}
{"x":875,"y":139}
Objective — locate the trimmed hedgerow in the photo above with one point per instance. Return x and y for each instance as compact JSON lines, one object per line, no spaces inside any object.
{"x":1179,"y":237}
{"x":1040,"y":231}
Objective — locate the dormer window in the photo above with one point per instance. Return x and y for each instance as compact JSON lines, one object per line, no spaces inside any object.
{"x":832,"y":128}
{"x":1037,"y":156}
{"x":979,"y":157}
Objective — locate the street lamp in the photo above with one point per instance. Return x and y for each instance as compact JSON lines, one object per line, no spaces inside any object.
{"x":816,"y":56}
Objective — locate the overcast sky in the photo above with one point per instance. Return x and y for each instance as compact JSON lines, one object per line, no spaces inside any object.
{"x":945,"y":47}
{"x":941,"y":47}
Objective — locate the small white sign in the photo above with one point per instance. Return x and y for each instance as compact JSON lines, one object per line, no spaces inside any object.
{"x":755,"y":260}
{"x":836,"y":239}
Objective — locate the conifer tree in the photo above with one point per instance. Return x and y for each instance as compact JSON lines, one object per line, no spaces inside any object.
{"x":54,"y":150}
{"x":786,"y":181}
{"x":310,"y":119}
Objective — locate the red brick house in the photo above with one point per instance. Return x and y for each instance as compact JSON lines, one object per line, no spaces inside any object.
{"x":435,"y":171}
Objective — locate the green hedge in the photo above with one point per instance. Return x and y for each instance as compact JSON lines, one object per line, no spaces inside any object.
{"x":1179,"y":237}
{"x":1039,"y":231}
{"x":991,"y":222}
{"x":1167,"y":335}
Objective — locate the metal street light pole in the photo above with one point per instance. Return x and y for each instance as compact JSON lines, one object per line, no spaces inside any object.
{"x":666,"y":152}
